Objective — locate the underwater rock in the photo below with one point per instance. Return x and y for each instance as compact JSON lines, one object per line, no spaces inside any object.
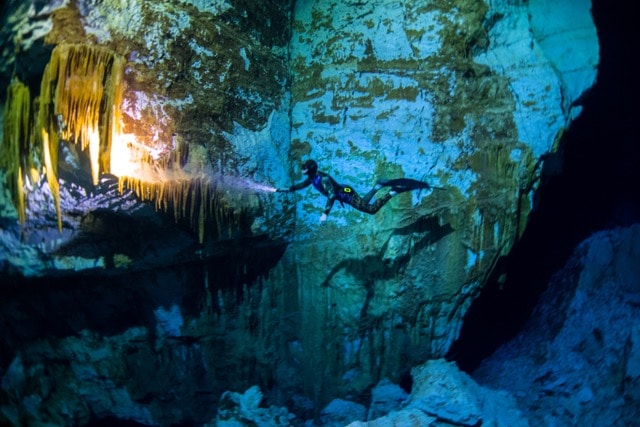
{"x":406,"y":417}
{"x":181,"y":121}
{"x":471,"y":96}
{"x":442,"y":395}
{"x":386,"y":397}
{"x":37,"y":389}
{"x":632,"y":368}
{"x":453,"y":397}
{"x":340,"y":412}
{"x":238,"y":409}
{"x":575,"y":362}
{"x":444,"y":392}
{"x":164,"y":343}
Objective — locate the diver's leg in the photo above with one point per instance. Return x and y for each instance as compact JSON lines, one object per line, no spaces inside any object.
{"x":367,"y":197}
{"x":360,"y":204}
{"x":375,"y":207}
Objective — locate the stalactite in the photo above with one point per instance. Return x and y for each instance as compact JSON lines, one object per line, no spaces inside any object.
{"x":79,"y":102}
{"x":80,"y":96}
{"x":15,"y":156}
{"x":201,"y":215}
{"x":51,"y":171}
{"x":82,"y":88}
{"x":194,"y":200}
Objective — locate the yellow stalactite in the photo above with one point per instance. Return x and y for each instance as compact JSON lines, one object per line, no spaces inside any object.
{"x":80,"y":97}
{"x":192,"y":199}
{"x":15,"y":156}
{"x":50,"y":171}
{"x":82,"y":84}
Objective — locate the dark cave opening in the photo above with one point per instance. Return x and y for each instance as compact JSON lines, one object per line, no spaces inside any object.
{"x":597,"y":189}
{"x":112,"y":303}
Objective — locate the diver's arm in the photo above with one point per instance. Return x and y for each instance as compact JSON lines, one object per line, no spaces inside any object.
{"x":299,"y":186}
{"x":327,"y":208}
{"x":330,"y":201}
{"x":295,"y":187}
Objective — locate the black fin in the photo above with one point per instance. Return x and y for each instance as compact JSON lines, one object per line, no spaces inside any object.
{"x":404,"y":184}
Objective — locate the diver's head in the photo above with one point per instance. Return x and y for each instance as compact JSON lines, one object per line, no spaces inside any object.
{"x":310,"y":167}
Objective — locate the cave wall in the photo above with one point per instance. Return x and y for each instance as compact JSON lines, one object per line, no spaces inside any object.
{"x":470,"y":96}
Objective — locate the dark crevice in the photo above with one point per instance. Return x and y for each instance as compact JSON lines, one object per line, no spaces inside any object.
{"x":597,"y":189}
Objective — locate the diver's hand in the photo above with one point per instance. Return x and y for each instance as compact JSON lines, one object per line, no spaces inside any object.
{"x":323,"y":218}
{"x":282,"y":190}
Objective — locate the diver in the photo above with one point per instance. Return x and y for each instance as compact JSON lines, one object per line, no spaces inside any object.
{"x":330,"y":188}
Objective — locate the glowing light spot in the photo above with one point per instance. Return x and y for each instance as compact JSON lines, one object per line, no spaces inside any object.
{"x":122,"y":162}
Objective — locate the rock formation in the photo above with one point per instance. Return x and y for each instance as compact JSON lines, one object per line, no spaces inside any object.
{"x":169,"y":272}
{"x":577,"y":360}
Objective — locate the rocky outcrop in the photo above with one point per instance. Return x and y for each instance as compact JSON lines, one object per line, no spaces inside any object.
{"x":444,"y":396}
{"x":223,"y":100}
{"x":576,"y":361}
{"x":154,"y":347}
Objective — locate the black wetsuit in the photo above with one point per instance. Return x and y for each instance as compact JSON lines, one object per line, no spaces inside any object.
{"x":342,"y":193}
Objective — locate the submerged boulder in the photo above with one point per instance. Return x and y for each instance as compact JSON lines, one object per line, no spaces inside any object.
{"x":442,"y":395}
{"x":386,"y":397}
{"x":340,"y":412}
{"x":239,"y":409}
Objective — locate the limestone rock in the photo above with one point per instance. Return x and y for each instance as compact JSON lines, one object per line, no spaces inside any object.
{"x":444,"y":396}
{"x":386,"y":397}
{"x":407,"y":417}
{"x":190,"y":99}
{"x":444,"y":392}
{"x":41,"y":392}
{"x":238,"y":409}
{"x":471,"y":96}
{"x":451,"y":396}
{"x":575,"y":361}
{"x":632,"y":369}
{"x":340,"y":412}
